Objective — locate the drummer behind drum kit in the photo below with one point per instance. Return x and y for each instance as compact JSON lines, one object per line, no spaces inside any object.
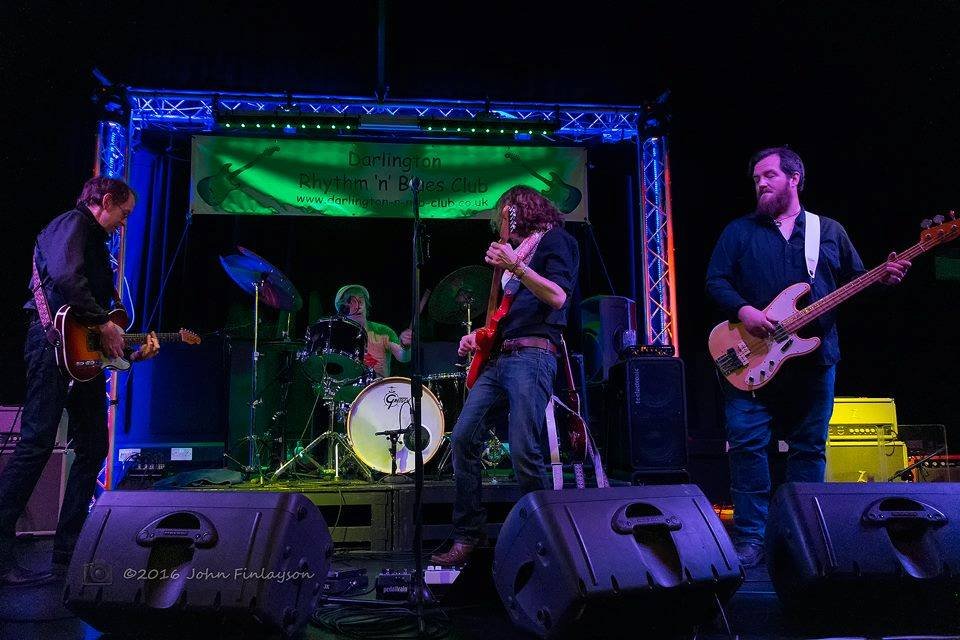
{"x":368,"y":417}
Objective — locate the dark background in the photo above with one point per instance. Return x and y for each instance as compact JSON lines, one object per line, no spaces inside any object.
{"x":867,"y":92}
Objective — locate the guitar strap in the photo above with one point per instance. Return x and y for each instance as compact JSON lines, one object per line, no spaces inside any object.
{"x":43,"y":309}
{"x":556,"y":467}
{"x":811,"y":243}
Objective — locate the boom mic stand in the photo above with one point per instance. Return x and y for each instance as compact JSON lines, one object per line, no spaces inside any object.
{"x":417,"y":584}
{"x":416,"y":395}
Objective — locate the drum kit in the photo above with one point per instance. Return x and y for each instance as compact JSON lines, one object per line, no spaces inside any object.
{"x":368,"y":416}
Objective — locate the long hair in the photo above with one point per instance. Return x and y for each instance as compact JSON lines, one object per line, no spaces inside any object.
{"x":534,"y":212}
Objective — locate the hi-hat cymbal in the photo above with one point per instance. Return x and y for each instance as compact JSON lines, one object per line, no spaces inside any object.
{"x":465,"y":287}
{"x":248,"y":270}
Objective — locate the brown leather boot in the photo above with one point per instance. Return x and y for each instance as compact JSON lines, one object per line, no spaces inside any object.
{"x":456,"y":556}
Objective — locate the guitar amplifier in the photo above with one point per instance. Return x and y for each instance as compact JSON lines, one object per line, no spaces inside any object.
{"x":42,"y":512}
{"x":863,"y":419}
{"x":942,"y":468}
{"x":864,"y":460}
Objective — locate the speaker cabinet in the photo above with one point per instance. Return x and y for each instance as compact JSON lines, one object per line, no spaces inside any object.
{"x":190,"y":562}
{"x":864,"y":461}
{"x":597,"y":561}
{"x":603,"y":321}
{"x":646,"y":409}
{"x":835,"y":546}
{"x":42,"y":512}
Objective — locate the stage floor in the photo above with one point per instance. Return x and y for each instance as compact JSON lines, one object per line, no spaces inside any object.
{"x":371,"y":524}
{"x":754,"y":613}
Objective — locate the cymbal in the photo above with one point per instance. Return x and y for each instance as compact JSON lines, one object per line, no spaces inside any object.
{"x":249,"y":269}
{"x":467,"y":286}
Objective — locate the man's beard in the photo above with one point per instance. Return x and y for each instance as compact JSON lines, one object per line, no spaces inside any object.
{"x":774,"y":205}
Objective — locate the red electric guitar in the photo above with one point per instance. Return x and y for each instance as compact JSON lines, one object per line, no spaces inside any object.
{"x":487,"y":334}
{"x":80,"y":355}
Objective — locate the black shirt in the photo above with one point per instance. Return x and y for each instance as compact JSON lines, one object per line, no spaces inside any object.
{"x":752,"y":263}
{"x":557,"y":259}
{"x":74,"y":266}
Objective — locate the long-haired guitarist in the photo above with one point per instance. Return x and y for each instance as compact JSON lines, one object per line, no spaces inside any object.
{"x":540,"y":263}
{"x":71,"y":267}
{"x":757,"y":257}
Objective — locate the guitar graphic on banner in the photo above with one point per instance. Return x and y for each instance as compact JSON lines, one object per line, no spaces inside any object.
{"x":215,"y":189}
{"x":565,"y":196}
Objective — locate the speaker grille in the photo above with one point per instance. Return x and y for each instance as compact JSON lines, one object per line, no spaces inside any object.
{"x":649,"y":415}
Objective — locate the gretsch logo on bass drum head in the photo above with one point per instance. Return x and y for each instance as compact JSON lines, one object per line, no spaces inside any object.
{"x":393,"y":399}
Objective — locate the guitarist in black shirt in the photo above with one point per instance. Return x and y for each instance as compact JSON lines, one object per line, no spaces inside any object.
{"x":539,"y":274}
{"x":72,"y":265}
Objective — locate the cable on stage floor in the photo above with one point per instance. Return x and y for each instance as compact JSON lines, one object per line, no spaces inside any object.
{"x":392,"y":623}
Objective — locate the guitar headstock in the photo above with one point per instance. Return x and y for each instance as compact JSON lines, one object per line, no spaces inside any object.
{"x":939,"y":230}
{"x":505,"y":223}
{"x":189,"y":337}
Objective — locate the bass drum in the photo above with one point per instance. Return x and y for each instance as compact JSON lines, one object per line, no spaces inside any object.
{"x":385,"y":406}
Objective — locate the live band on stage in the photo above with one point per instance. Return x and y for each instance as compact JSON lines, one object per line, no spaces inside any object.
{"x":509,"y":392}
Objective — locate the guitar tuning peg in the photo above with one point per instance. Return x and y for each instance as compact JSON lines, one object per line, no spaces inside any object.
{"x":926,"y":223}
{"x":938,"y":219}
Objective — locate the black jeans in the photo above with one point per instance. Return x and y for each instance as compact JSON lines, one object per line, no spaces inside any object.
{"x":48,"y":392}
{"x":520,"y":383}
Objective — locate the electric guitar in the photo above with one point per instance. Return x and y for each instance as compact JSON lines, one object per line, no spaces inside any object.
{"x":565,"y":196}
{"x":749,"y":362}
{"x":576,"y":426}
{"x":487,"y":334}
{"x":215,"y":189}
{"x":79,"y":353}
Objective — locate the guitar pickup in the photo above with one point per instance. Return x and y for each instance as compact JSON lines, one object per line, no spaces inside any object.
{"x":786,"y":345}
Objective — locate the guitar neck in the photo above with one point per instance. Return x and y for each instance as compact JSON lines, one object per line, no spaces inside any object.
{"x":140,"y":338}
{"x":829,"y":302}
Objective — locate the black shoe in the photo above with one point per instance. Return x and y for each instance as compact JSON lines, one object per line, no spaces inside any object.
{"x":17,"y":576}
{"x":749,"y":554}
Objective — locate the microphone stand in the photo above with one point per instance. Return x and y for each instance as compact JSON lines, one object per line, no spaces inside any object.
{"x":416,"y":395}
{"x":417,"y":584}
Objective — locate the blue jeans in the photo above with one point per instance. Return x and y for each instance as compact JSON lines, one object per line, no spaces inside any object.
{"x":48,"y":392}
{"x":520,"y":382}
{"x":796,"y":405}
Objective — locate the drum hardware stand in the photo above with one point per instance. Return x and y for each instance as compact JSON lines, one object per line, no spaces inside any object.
{"x":253,"y":453}
{"x":339,"y":440}
{"x":492,"y":441}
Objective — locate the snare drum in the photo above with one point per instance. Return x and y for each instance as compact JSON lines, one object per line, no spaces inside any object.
{"x":385,"y":406}
{"x":335,"y":348}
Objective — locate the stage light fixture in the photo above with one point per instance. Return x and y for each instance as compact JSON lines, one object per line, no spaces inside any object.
{"x":289,"y":123}
{"x":487,"y":127}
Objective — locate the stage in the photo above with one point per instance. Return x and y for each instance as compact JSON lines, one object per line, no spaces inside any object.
{"x":754,"y":612}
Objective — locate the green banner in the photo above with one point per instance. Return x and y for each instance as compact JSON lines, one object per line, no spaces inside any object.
{"x":260,"y":176}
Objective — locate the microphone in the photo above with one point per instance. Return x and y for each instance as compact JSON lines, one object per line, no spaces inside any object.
{"x":416,"y":184}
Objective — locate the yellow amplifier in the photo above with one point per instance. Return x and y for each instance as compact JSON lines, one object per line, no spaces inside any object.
{"x":862,"y":461}
{"x":863,"y":419}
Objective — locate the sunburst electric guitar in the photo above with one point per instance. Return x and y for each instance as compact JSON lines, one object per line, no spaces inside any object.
{"x":80,"y":354}
{"x":749,"y":362}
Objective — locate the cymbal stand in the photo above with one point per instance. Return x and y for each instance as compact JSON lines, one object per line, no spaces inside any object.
{"x":326,"y":391}
{"x":253,"y":452}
